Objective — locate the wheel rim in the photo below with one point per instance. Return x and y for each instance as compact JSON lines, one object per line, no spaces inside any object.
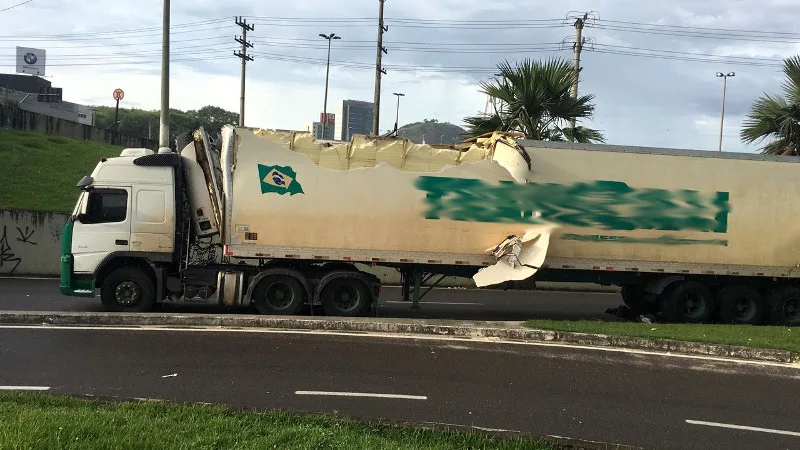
{"x":127,"y":293}
{"x":791,"y":309}
{"x":744,"y":309}
{"x":279,"y":295}
{"x":346,"y":298}
{"x":693,"y":306}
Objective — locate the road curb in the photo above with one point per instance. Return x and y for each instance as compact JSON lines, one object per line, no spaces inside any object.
{"x":513,"y":331}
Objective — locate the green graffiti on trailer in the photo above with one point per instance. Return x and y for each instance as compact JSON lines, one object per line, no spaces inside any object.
{"x":660,"y":240}
{"x":609,"y":205}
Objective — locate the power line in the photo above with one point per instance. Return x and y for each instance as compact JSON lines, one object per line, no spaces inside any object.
{"x":14,"y":6}
{"x":151,"y":31}
{"x":687,"y":27}
{"x":686,"y":58}
{"x":697,"y":34}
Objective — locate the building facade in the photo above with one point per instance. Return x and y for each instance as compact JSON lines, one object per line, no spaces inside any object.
{"x":355,"y":118}
{"x":316,"y":131}
{"x":36,"y":95}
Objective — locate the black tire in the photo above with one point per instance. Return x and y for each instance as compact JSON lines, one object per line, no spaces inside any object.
{"x":282,"y":295}
{"x":347,"y":297}
{"x":688,"y":302}
{"x":784,"y":307}
{"x":741,"y":305}
{"x":633,"y":297}
{"x":128,"y":289}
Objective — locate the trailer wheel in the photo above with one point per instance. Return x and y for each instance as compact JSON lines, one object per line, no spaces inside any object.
{"x":128,"y":289}
{"x":688,"y":301}
{"x":633,"y":297}
{"x":741,"y":305}
{"x":279,"y":295}
{"x":347,"y":297}
{"x":784,"y":306}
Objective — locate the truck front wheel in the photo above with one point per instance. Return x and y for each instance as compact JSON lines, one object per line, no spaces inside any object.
{"x":128,"y":289}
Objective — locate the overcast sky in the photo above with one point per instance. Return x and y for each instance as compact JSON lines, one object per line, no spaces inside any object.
{"x":650,"y":64}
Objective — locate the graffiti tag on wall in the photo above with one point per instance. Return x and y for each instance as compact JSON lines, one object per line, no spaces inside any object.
{"x":9,"y":260}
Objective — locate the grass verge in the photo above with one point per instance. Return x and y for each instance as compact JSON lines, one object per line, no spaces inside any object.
{"x":49,"y":421}
{"x":39,"y":171}
{"x":767,"y":337}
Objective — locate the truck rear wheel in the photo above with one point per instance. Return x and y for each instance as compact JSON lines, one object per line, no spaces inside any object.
{"x":279,"y":295}
{"x":128,"y":289}
{"x":784,"y":307}
{"x":347,"y":297}
{"x":688,"y":301}
{"x":741,"y":305}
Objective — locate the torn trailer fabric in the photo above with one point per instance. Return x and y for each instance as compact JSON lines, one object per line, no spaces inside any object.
{"x":518,"y":258}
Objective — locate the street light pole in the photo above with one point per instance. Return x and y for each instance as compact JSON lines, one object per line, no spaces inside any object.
{"x":330,"y":37}
{"x":397,"y":113}
{"x":724,"y":92}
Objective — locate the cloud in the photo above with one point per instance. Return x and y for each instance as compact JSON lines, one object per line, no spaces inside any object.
{"x":654,"y":84}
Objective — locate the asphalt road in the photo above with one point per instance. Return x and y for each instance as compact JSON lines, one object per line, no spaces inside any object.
{"x":43,"y":295}
{"x":617,"y":397}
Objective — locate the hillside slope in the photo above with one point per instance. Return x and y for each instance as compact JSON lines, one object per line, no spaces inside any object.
{"x":39,"y":171}
{"x":433,"y":131}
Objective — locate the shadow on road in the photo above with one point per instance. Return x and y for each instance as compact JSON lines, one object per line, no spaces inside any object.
{"x":458,"y":304}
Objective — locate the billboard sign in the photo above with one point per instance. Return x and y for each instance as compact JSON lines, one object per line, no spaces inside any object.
{"x":30,"y":60}
{"x":331,"y":118}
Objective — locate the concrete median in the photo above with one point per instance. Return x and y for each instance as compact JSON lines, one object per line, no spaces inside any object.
{"x":509,"y":331}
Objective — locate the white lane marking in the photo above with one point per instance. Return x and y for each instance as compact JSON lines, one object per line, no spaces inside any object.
{"x":224,"y":329}
{"x":362,"y":394}
{"x":742,"y":427}
{"x":438,"y":303}
{"x":24,"y":388}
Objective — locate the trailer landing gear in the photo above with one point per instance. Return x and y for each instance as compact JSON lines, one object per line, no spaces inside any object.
{"x":418,"y":278}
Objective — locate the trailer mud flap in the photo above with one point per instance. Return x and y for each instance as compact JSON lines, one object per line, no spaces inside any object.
{"x":518,"y":258}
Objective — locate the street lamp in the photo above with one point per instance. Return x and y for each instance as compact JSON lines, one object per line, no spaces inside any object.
{"x":329,"y":38}
{"x":397,"y":114}
{"x":724,"y":77}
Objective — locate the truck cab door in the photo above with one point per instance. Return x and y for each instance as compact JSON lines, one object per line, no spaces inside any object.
{"x":103,"y":226}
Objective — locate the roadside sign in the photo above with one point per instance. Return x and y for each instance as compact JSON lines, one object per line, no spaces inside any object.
{"x":118,"y":94}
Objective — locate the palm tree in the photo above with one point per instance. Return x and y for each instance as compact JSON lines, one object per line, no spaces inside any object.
{"x":777,"y":118}
{"x":536,"y":100}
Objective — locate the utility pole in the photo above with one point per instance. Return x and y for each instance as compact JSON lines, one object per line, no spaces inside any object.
{"x":397,"y":114}
{"x":576,"y":48}
{"x":163,"y":131}
{"x":324,"y":117}
{"x":378,"y":71}
{"x":724,"y":91}
{"x":244,"y":57}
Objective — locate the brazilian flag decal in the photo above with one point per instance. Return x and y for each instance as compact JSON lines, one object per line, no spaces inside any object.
{"x":279,"y":180}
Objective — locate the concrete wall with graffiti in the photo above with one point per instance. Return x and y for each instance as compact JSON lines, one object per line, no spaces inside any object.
{"x":30,"y":242}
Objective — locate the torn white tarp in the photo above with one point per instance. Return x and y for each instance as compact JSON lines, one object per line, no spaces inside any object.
{"x":518,"y":258}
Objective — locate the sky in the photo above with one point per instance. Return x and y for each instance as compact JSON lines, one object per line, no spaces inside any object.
{"x":650,"y":65}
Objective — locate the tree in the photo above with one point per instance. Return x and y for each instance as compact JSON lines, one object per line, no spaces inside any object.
{"x":777,"y":118}
{"x":535,"y":99}
{"x":141,"y":123}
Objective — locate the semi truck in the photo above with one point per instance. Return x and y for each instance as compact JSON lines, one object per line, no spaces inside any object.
{"x":277,"y":221}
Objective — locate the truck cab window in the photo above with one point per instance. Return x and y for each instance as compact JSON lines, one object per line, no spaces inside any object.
{"x":106,"y":206}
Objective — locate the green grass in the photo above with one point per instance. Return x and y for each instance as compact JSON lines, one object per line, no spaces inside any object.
{"x":768,"y":337}
{"x":39,"y":171}
{"x":34,"y":421}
